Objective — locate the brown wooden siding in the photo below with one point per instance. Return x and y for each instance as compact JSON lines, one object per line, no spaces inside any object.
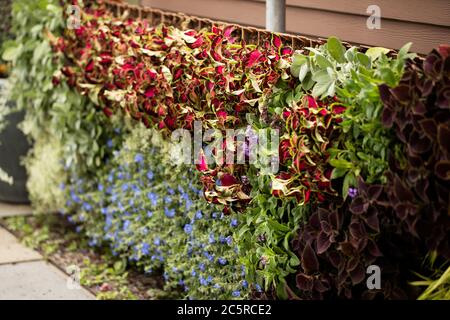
{"x":426,"y":23}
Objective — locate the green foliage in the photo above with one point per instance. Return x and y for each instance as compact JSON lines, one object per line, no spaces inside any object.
{"x":151,"y":214}
{"x":106,"y":276}
{"x":4,"y":111}
{"x":58,"y":120}
{"x":353,"y":77}
{"x":436,"y":288}
{"x":264,"y":237}
{"x":45,"y":174}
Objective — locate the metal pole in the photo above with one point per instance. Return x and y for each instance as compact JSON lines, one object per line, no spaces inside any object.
{"x":276,"y":15}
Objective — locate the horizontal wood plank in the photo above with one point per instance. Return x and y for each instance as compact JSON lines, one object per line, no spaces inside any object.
{"x":313,"y":22}
{"x":435,"y":12}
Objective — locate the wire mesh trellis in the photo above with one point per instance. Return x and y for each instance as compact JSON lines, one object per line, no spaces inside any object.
{"x":249,"y":34}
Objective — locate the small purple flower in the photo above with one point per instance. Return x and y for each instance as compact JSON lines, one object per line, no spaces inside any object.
{"x":234,"y":223}
{"x":236,"y":293}
{"x":352,"y":192}
{"x":188,"y":228}
{"x":222,"y":261}
{"x":170,"y":213}
{"x":145,"y":249}
{"x":139,"y":158}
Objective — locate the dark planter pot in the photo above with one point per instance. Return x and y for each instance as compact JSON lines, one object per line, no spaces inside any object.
{"x":13,"y":147}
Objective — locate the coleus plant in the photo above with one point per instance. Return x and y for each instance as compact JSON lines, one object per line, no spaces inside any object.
{"x":396,"y":224}
{"x":168,"y":78}
{"x":353,"y":77}
{"x":311,"y":127}
{"x":417,"y":110}
{"x":341,"y":239}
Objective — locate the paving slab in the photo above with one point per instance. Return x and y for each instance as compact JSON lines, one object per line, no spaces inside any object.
{"x":37,"y":280}
{"x":11,"y":251}
{"x":10,"y":210}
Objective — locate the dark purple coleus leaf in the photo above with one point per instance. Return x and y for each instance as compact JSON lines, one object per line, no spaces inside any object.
{"x":442,"y":169}
{"x":359,"y":205}
{"x":309,"y":260}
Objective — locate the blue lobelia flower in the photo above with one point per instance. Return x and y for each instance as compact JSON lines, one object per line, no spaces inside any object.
{"x":234,"y":223}
{"x":139,"y":158}
{"x":157,"y":241}
{"x":229,"y":240}
{"x":109,"y":143}
{"x":188,"y":228}
{"x":126,"y":225}
{"x":149,"y":214}
{"x":198,"y":215}
{"x":167,"y":199}
{"x":202,"y":267}
{"x":203,"y":281}
{"x":150,"y":175}
{"x":145,"y":249}
{"x":211,"y":238}
{"x":245,"y":284}
{"x":222,"y":261}
{"x":87,"y":206}
{"x":153,"y":197}
{"x":236,"y":293}
{"x":170,"y":213}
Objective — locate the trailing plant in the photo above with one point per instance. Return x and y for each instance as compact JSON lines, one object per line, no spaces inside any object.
{"x":353,"y":76}
{"x":45,"y":174}
{"x":151,"y":213}
{"x":53,"y":111}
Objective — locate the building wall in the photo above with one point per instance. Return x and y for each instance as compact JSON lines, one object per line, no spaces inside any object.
{"x":426,"y":23}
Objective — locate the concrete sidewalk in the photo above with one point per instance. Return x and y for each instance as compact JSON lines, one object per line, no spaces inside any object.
{"x":25,"y":275}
